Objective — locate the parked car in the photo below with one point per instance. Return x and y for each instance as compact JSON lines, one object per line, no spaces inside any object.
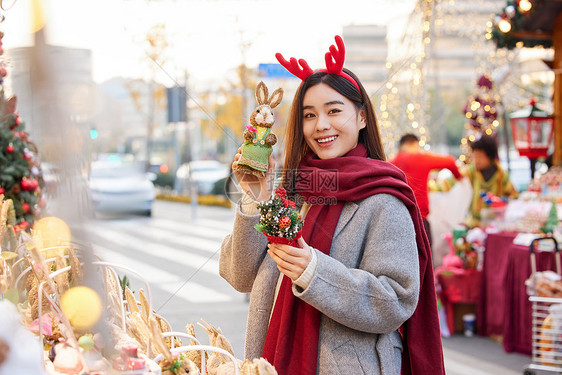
{"x":204,"y":174}
{"x":120,"y":186}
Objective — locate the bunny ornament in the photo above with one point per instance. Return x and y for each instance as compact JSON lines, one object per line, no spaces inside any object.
{"x":258,"y":138}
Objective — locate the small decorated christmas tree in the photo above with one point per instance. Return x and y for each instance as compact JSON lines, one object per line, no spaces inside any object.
{"x":552,"y":220}
{"x":279,"y":222}
{"x":20,"y":175}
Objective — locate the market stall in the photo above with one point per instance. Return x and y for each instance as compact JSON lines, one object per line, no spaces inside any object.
{"x":496,"y":285}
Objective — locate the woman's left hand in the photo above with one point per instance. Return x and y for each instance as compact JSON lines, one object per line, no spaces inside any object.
{"x":291,"y":261}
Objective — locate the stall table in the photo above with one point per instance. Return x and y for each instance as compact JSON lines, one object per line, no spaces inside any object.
{"x":504,"y":308}
{"x":459,"y":287}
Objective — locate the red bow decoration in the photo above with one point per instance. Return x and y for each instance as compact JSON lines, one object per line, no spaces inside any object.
{"x":288,"y":202}
{"x":334,"y":63}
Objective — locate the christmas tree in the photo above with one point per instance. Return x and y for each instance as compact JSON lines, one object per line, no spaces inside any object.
{"x":552,"y":220}
{"x":20,"y":174}
{"x":279,"y":222}
{"x":481,"y":112}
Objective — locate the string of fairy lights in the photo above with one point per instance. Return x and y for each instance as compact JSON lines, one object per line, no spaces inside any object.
{"x":405,"y":103}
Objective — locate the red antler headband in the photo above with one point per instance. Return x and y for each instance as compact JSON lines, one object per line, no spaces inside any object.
{"x":334,"y":63}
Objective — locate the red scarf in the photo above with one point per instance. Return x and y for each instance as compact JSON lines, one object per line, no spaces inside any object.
{"x":291,"y":343}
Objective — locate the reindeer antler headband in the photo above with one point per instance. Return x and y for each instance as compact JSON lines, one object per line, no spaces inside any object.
{"x":334,"y":63}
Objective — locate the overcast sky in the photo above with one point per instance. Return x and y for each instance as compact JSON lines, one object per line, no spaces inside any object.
{"x":204,"y":36}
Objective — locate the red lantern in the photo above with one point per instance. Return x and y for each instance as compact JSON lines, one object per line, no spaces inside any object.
{"x":532,"y":130}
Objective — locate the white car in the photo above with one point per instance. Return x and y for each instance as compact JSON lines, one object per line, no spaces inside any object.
{"x":204,"y":174}
{"x":118,"y":186}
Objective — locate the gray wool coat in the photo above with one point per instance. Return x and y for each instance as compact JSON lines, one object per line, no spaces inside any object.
{"x":365,"y":289}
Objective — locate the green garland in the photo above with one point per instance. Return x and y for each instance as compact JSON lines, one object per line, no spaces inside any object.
{"x":516,"y":17}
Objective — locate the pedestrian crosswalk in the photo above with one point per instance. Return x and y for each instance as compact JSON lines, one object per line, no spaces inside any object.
{"x":179,"y":259}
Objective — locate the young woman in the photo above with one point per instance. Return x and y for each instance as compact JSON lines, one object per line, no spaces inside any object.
{"x":357,"y":296}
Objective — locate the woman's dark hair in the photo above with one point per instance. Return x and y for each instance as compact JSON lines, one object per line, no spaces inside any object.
{"x":295,"y":144}
{"x":486,"y":144}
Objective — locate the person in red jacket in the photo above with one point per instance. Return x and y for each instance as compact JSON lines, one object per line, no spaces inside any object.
{"x":416,"y":165}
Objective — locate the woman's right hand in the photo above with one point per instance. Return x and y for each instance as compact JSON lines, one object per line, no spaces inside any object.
{"x":258,"y":188}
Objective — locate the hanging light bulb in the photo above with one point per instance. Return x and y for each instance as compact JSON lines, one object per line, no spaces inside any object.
{"x":504,"y":26}
{"x":525,"y":5}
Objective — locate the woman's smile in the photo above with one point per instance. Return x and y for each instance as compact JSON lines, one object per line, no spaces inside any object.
{"x":326,"y":141}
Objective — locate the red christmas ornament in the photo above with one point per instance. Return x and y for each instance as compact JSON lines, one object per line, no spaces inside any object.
{"x":24,"y":184}
{"x":10,"y":148}
{"x":285,"y":222}
{"x":29,"y":184}
{"x":1,"y":190}
{"x":25,"y":207}
{"x":24,"y":224}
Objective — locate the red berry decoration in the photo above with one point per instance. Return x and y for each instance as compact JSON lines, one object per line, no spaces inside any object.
{"x":285,"y":222}
{"x":2,"y":191}
{"x":10,"y":148}
{"x":281,"y":192}
{"x":25,"y":207}
{"x":24,"y":224}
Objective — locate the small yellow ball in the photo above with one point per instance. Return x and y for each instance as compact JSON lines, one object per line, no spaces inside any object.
{"x":82,"y":306}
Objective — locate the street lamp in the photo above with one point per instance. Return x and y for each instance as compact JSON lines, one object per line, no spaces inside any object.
{"x":532,"y":130}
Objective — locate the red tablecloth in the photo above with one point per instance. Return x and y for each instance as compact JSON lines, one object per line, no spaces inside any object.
{"x":504,"y":307}
{"x":461,"y":286}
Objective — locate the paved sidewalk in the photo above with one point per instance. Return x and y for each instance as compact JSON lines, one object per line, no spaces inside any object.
{"x":480,"y":356}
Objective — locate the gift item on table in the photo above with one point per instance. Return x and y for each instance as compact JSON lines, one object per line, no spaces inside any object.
{"x":462,"y":253}
{"x":549,"y":185}
{"x":451,"y":260}
{"x":493,"y":209}
{"x":552,"y":220}
{"x":544,"y":284}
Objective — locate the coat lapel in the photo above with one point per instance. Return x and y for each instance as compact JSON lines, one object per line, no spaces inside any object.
{"x":347,"y":213}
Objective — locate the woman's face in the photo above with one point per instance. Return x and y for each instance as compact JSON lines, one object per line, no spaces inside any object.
{"x":331,"y":122}
{"x":481,"y":160}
